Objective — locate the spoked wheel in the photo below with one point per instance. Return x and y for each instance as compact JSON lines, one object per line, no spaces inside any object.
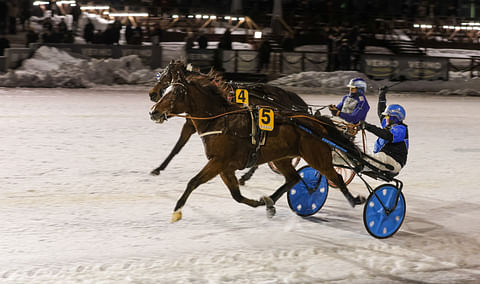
{"x":295,"y":163}
{"x":347,"y":175}
{"x":309,"y":194}
{"x":381,"y":217}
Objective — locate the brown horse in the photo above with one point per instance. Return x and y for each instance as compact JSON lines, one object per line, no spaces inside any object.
{"x":225,"y":130}
{"x":260,"y":94}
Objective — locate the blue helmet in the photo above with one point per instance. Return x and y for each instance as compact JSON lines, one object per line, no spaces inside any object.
{"x":358,"y":83}
{"x":396,"y":111}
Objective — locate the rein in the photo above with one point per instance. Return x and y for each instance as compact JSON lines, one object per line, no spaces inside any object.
{"x":208,"y":117}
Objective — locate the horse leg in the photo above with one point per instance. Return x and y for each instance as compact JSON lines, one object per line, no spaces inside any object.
{"x":337,"y":179}
{"x":285,"y":167}
{"x":209,"y":171}
{"x":231,"y":182}
{"x":319,"y":156}
{"x":248,"y":175}
{"x":187,"y":131}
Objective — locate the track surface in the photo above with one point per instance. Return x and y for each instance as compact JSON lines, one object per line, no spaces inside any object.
{"x":77,"y":203}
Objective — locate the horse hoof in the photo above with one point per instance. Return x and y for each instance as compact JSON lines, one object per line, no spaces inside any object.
{"x":271,"y":212}
{"x":356,"y":201}
{"x":155,"y":173}
{"x":270,"y":206}
{"x":177,"y":215}
{"x":361,"y":199}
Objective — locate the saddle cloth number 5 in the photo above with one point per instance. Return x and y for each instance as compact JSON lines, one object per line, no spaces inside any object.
{"x":241,"y":96}
{"x":266,"y":119}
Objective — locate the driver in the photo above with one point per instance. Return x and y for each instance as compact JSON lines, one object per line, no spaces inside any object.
{"x":391,"y":146}
{"x":354,"y":106}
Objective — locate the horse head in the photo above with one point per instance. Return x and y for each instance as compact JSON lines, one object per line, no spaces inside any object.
{"x":172,"y":100}
{"x":183,"y":94}
{"x":173,"y":70}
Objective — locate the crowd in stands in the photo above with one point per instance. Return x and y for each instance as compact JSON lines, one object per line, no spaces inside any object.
{"x":344,"y":48}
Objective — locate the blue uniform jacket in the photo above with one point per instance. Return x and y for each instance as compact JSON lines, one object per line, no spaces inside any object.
{"x":353,"y":108}
{"x":392,"y":139}
{"x":398,"y":146}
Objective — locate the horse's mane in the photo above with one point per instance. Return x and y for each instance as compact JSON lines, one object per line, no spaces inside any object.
{"x":270,"y":94}
{"x":218,"y":90}
{"x":211,"y":80}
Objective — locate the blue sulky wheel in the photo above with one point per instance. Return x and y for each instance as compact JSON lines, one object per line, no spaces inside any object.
{"x":305,"y":202}
{"x":378,"y":222}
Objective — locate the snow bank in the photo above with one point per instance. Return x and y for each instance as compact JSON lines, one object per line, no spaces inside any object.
{"x":51,"y":67}
{"x":460,"y":83}
{"x":312,"y":79}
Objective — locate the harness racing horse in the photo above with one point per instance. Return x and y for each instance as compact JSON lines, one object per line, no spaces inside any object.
{"x":224,"y":128}
{"x":260,"y":94}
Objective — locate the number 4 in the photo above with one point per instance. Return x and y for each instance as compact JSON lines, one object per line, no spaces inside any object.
{"x":241,"y":96}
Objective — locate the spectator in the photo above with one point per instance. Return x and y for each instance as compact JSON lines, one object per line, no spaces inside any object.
{"x":344,"y":54}
{"x":76,"y":12}
{"x":3,"y":16}
{"x":32,"y":36}
{"x":189,"y":41}
{"x":109,"y":35}
{"x":12,"y":17}
{"x":332,"y":51}
{"x":218,"y":60}
{"x":97,"y":37}
{"x":202,"y":41}
{"x":288,"y":43}
{"x":160,"y":32}
{"x":358,"y":49}
{"x":62,"y":26}
{"x":4,"y":43}
{"x":156,"y":34}
{"x":128,"y":33}
{"x":54,"y":36}
{"x":25,"y":13}
{"x":226,"y":40}
{"x":47,"y":36}
{"x":264,"y":55}
{"x":88,"y":31}
{"x":117,"y":27}
{"x":137,"y":35}
{"x":47,"y":24}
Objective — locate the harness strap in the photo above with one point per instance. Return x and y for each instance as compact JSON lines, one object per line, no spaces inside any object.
{"x":211,"y":133}
{"x":258,"y":139}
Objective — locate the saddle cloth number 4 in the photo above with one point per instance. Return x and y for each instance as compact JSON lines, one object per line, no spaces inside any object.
{"x":266,"y":119}
{"x":241,"y":96}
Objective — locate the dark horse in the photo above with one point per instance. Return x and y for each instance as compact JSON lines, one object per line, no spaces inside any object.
{"x":225,"y":127}
{"x":260,"y":94}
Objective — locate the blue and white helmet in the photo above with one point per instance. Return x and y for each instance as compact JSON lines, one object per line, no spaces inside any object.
{"x":358,"y":83}
{"x":396,"y":111}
